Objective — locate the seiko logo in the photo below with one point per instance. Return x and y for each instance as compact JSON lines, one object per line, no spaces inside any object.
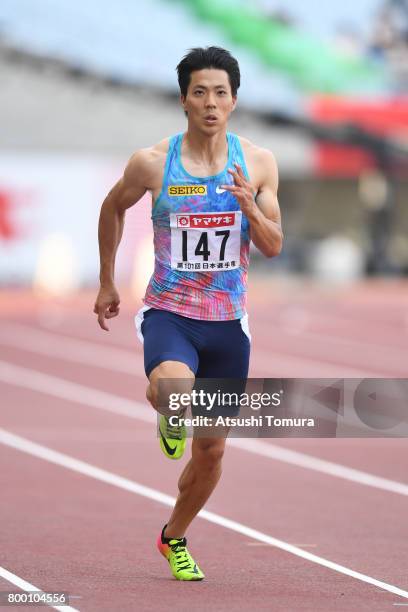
{"x":184,"y":190}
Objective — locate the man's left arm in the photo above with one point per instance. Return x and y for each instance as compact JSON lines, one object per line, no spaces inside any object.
{"x":261,"y":211}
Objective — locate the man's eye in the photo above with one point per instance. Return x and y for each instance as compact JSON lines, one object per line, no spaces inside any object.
{"x":199,"y":91}
{"x":221,"y":91}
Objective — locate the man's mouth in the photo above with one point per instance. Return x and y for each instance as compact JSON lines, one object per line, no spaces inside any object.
{"x":210,"y":118}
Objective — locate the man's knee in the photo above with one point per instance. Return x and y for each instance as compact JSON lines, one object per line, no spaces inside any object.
{"x":168,"y":381}
{"x":208,"y":453}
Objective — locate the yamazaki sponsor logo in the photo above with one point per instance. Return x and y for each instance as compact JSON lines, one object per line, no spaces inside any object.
{"x":183,"y":190}
{"x":206,"y":220}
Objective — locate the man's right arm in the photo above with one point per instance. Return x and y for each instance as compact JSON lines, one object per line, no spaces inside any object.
{"x":127,"y":191}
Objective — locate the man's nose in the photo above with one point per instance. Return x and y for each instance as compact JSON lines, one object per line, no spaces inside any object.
{"x":210,"y":100}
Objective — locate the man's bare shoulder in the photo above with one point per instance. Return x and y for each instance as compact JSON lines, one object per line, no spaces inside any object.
{"x":256,"y":152}
{"x":148,"y":163}
{"x":261,"y":162}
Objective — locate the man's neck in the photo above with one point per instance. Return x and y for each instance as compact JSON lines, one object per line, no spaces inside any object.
{"x":204,"y":148}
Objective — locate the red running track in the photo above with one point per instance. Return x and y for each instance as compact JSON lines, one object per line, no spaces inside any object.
{"x":67,"y":531}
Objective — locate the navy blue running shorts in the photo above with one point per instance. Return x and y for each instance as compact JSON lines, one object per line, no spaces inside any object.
{"x":211,"y":349}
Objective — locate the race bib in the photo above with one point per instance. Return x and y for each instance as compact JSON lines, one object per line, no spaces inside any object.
{"x":205,"y":241}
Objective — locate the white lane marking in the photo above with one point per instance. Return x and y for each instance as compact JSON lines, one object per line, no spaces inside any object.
{"x":297,"y":545}
{"x":319,"y":465}
{"x":43,"y":452}
{"x":288,"y":325}
{"x":131,"y":362}
{"x":387,"y":351}
{"x":70,"y":349}
{"x":63,"y":389}
{"x":27,"y":586}
{"x":273,"y":364}
{"x":74,"y":392}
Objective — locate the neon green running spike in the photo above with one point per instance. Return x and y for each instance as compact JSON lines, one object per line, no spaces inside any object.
{"x":172,"y":438}
{"x":182,"y":564}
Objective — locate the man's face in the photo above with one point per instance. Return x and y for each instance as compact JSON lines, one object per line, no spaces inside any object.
{"x":209,"y":101}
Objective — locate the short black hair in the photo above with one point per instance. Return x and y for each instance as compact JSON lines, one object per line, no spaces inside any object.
{"x":208,"y":57}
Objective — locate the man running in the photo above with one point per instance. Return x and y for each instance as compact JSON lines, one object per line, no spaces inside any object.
{"x":212,"y":192}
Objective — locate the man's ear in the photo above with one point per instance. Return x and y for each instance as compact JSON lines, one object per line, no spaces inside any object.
{"x":183,"y":102}
{"x":234,"y":102}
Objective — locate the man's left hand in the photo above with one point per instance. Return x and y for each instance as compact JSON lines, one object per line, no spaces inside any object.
{"x":242,"y":190}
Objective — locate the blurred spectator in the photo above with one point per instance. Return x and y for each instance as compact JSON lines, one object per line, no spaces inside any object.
{"x":388,"y":41}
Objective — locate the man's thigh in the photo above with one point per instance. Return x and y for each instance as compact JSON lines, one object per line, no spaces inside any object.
{"x":226,"y":352}
{"x":167,"y":342}
{"x":222,"y":371}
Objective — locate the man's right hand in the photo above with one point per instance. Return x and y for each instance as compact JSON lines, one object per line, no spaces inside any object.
{"x":106,"y":305}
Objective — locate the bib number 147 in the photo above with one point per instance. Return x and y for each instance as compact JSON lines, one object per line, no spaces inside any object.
{"x":202,"y":245}
{"x":205,"y":241}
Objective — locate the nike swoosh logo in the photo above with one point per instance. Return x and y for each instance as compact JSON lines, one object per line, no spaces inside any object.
{"x":168,"y":448}
{"x":219,"y":190}
{"x":194,"y":571}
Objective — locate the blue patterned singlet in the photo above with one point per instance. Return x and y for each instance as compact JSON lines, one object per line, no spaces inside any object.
{"x":201,"y":242}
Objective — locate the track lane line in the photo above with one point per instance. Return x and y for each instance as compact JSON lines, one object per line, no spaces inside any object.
{"x":74,"y":350}
{"x":62,"y":389}
{"x":27,"y":586}
{"x":43,"y":452}
{"x":74,"y":392}
{"x":320,"y":465}
{"x":131,"y":362}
